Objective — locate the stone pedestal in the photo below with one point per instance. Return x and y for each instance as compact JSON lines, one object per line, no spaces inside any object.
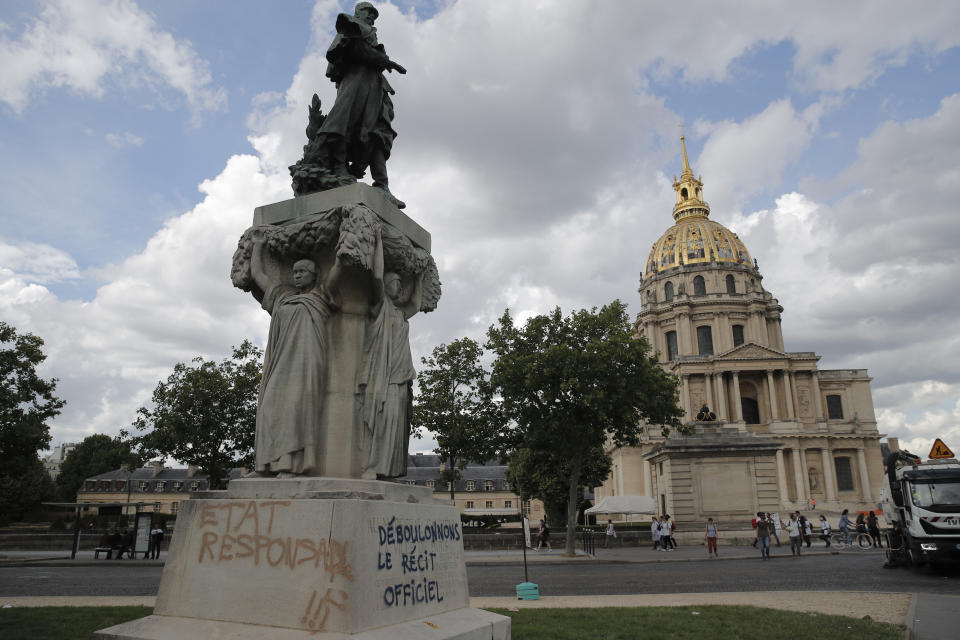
{"x":320,"y":558}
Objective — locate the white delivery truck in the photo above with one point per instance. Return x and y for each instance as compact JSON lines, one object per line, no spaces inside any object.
{"x":921,"y":501}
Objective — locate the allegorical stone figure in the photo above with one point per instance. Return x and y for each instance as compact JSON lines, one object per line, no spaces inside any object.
{"x":387,"y":373}
{"x":358,"y":131}
{"x":294,"y":366}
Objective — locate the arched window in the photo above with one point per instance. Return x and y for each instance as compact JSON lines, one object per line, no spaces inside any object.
{"x":671,"y":345}
{"x":705,"y":340}
{"x":683,"y":193}
{"x":737,"y":335}
{"x":731,"y":285}
{"x":668,"y":292}
{"x":699,"y":286}
{"x":751,"y":410}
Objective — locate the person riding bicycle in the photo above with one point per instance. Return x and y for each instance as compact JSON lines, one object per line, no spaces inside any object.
{"x":845,"y":526}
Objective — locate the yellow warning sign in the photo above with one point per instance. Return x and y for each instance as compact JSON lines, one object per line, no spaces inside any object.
{"x":940,"y":450}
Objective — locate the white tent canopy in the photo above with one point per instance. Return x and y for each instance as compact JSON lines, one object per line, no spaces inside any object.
{"x":625,"y":505}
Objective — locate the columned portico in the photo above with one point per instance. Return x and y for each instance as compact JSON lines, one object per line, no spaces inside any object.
{"x":772,"y":389}
{"x":788,"y":394}
{"x":721,"y":398}
{"x":737,"y":402}
{"x":781,"y":478}
{"x":864,"y":476}
{"x":817,"y":403}
{"x":707,"y":378}
{"x":799,"y":471}
{"x":828,"y":477}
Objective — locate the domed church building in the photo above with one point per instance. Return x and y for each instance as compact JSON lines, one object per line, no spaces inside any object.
{"x":769,"y":430}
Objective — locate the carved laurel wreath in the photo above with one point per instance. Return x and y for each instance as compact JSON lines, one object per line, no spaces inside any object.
{"x":354,"y":229}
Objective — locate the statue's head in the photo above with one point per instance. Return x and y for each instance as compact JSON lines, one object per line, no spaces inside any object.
{"x":366,"y":12}
{"x":393,"y":287}
{"x":304,"y":274}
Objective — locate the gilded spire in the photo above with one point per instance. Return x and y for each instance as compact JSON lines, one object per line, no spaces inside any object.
{"x":686,"y":171}
{"x":689,"y":190}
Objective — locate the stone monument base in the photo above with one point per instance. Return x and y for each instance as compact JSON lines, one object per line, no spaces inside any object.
{"x":323,"y":558}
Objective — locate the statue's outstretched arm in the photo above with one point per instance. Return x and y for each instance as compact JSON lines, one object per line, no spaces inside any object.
{"x":257,"y":270}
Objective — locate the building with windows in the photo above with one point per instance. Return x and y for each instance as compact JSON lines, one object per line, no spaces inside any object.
{"x":53,"y":461}
{"x":482,"y":489}
{"x":154,"y":488}
{"x":771,"y":430}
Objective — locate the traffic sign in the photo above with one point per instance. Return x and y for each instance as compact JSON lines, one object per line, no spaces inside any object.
{"x":940,"y":450}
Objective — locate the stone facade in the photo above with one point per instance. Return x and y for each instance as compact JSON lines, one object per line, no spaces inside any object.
{"x":707,"y":315}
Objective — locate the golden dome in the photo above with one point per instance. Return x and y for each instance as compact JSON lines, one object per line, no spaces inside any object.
{"x":695,"y":238}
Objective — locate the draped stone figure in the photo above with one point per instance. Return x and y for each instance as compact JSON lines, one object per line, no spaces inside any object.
{"x":294,"y":368}
{"x":387,"y":373}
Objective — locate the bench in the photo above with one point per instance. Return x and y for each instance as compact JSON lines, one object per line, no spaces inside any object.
{"x":99,"y":550}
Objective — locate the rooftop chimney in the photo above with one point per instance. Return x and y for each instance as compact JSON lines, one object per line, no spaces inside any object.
{"x":157,"y":467}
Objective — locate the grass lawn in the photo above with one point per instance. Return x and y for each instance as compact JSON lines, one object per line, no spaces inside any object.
{"x":63,"y":623}
{"x":614,"y":623}
{"x":693,"y":623}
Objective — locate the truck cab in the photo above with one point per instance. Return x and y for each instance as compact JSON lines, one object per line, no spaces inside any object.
{"x":922,"y":503}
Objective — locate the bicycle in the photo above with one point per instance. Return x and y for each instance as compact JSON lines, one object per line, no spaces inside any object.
{"x":858,"y":540}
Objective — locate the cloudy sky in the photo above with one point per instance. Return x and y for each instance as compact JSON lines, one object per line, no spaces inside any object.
{"x":537,"y":143}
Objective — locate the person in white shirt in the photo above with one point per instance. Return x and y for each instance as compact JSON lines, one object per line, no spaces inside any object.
{"x":655,"y":532}
{"x":824,"y":530}
{"x":611,"y":534}
{"x":793,"y":529}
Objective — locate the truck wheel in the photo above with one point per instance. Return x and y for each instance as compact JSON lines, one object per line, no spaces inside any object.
{"x":913,"y":556}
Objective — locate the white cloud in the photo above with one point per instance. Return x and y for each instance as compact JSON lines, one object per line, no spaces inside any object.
{"x":38,"y":263}
{"x":125,"y":139}
{"x":83,"y":45}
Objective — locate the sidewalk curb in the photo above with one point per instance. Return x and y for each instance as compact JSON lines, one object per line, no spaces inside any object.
{"x":911,"y":618}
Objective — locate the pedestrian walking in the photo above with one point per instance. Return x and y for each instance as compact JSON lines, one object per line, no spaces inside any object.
{"x":753,"y":523}
{"x":763,"y":535}
{"x":873,"y":528}
{"x":775,"y":528}
{"x":824,"y":530}
{"x":611,"y":534}
{"x":807,"y":530}
{"x":543,"y":537}
{"x":711,"y":538}
{"x":845,"y":526}
{"x":794,"y":531}
{"x":666,"y":533}
{"x":655,"y":532}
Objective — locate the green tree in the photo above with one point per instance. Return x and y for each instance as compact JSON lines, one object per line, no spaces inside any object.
{"x":542,"y":475}
{"x":571,"y":382}
{"x":27,"y":402}
{"x":204,"y":414}
{"x":454,"y":402}
{"x":97,"y":454}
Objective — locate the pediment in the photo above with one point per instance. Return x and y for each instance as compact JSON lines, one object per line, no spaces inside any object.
{"x":752,"y":351}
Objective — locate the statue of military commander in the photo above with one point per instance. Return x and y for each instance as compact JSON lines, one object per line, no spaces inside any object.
{"x":357,"y":132}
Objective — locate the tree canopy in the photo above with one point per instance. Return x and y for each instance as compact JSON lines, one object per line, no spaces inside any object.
{"x":27,"y":403}
{"x":97,"y":454}
{"x":569,"y":383}
{"x":455,"y":403}
{"x":204,"y":414}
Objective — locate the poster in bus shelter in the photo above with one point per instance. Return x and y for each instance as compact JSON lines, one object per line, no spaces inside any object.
{"x":142,"y":544}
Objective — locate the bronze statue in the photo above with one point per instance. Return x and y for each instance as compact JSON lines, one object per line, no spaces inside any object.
{"x":357,"y":132}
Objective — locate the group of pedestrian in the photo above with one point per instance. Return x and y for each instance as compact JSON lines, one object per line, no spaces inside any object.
{"x":122,"y":542}
{"x":661,"y":530}
{"x":119,"y":541}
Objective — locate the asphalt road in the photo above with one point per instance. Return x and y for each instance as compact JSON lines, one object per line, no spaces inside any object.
{"x":856,"y":572}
